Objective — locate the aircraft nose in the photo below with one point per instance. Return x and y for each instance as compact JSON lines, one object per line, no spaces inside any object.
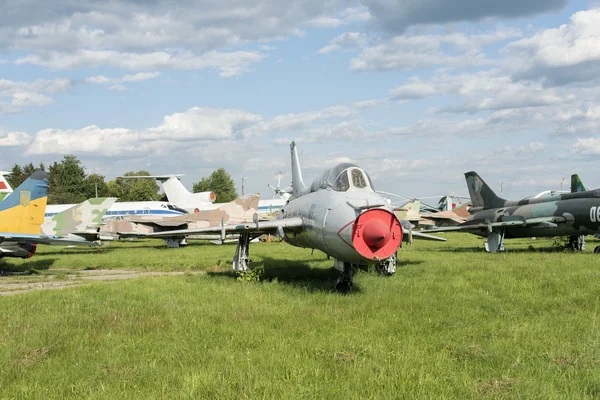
{"x":376,"y":234}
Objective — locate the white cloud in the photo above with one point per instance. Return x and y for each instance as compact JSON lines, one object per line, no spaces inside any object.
{"x":586,"y":147}
{"x":569,"y":53}
{"x":533,"y":147}
{"x":290,"y":122}
{"x":207,"y":123}
{"x":346,"y":41}
{"x":31,"y":99}
{"x":30,"y":93}
{"x":405,"y":52}
{"x":10,"y":139}
{"x":488,"y":90}
{"x":229,"y":64}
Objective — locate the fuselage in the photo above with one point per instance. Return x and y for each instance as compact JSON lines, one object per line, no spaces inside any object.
{"x":153,"y":208}
{"x":580,"y":211}
{"x":335,"y":218}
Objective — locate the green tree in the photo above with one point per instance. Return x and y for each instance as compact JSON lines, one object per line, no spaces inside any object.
{"x":134,"y":189}
{"x":66,"y":183}
{"x":16,"y":176}
{"x":95,"y":182}
{"x":219,"y":182}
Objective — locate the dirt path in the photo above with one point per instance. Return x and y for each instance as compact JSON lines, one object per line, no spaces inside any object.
{"x":11,"y":285}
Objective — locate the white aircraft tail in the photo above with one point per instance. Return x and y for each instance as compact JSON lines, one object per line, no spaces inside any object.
{"x":178,"y":194}
{"x":5,"y":188}
{"x":298,"y":186}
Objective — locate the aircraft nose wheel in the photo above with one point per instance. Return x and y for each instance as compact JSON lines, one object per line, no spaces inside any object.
{"x":344,"y":282}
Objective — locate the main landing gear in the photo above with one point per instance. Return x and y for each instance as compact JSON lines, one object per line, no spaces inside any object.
{"x":495,"y":242}
{"x":577,"y":243}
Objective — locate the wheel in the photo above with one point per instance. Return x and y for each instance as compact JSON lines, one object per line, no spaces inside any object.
{"x":597,"y":249}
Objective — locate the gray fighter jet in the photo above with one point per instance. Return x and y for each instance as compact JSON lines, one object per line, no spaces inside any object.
{"x":339,"y":214}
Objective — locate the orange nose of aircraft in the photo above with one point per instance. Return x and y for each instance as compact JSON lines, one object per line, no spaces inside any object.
{"x":376,"y":234}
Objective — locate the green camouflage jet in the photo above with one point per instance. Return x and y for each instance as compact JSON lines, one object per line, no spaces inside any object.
{"x":553,"y":214}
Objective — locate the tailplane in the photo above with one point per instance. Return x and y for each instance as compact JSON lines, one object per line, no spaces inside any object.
{"x":298,"y":186}
{"x":85,"y":217}
{"x":481,"y":194}
{"x":577,"y":185}
{"x":22,"y":211}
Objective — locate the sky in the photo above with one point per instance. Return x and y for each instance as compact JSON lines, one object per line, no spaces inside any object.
{"x":415,"y":92}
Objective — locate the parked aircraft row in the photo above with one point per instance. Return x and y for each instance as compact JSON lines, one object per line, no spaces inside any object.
{"x":340,"y":214}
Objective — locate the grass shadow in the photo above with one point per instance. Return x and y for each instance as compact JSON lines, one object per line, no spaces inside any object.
{"x":297,"y":274}
{"x":26,"y":268}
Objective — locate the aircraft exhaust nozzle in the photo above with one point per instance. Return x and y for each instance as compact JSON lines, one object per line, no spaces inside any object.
{"x":376,"y":234}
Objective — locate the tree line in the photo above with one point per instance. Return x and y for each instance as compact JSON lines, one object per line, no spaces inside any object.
{"x":68,"y":183}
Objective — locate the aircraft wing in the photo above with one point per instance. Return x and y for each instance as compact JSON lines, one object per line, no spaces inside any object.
{"x":44,"y":239}
{"x":545,"y":222}
{"x":273,"y":226}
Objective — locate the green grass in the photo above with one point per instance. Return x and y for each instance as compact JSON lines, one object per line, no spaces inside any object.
{"x":454,"y":322}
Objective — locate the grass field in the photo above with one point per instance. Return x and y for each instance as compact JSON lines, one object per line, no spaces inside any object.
{"x":454,"y":322}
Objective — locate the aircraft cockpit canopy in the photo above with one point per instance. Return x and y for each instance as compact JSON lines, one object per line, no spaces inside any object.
{"x":173,"y":207}
{"x":344,"y":177}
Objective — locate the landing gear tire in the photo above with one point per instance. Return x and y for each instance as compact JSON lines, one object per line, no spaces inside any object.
{"x":597,"y":249}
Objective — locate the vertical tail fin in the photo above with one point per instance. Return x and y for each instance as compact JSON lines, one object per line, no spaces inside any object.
{"x":22,"y":211}
{"x":298,"y":186}
{"x":5,"y":188}
{"x":179,"y":195}
{"x":481,"y":194}
{"x":83,"y":217}
{"x":577,"y":185}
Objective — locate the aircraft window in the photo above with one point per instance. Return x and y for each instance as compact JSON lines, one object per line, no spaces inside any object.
{"x":341,"y":183}
{"x":358,"y":179}
{"x":174,"y":208}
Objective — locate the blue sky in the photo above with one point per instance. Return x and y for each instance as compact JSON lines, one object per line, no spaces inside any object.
{"x":416,"y":92}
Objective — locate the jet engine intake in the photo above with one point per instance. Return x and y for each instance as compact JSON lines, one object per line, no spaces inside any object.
{"x":376,"y":234}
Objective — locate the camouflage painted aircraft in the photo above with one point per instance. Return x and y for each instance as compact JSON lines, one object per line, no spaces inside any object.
{"x":554,"y":214}
{"x":411,"y":211}
{"x":21,"y":217}
{"x":239,"y":211}
{"x":80,"y":221}
{"x":339,"y":214}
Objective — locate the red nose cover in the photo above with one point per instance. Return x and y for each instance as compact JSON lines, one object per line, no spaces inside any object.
{"x":376,"y":234}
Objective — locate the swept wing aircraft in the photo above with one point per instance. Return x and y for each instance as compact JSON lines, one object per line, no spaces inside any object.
{"x":239,"y":211}
{"x":339,"y":214}
{"x":21,"y":217}
{"x":554,"y":214}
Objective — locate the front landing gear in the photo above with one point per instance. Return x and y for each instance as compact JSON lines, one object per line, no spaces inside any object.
{"x":387,"y":267}
{"x":344,"y":282}
{"x":241,"y":260}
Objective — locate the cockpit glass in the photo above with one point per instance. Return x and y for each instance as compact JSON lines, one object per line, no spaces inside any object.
{"x":358,"y":179}
{"x":341,"y":183}
{"x":174,"y":208}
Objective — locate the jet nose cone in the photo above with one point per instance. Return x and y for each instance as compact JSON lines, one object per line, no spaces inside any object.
{"x":376,"y":234}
